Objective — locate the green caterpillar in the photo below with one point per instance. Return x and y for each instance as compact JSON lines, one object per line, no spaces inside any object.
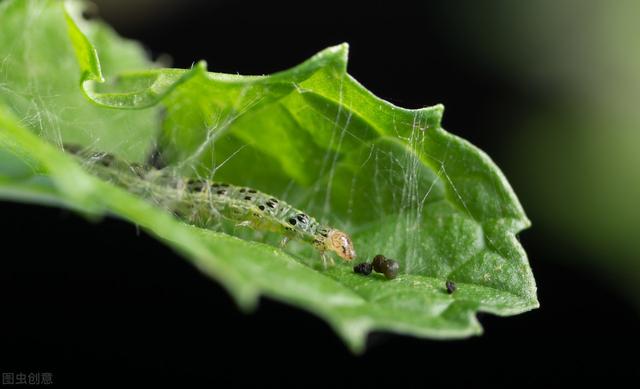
{"x":204,"y":203}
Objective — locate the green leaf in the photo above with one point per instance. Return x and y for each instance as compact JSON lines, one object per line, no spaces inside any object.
{"x":311,"y":135}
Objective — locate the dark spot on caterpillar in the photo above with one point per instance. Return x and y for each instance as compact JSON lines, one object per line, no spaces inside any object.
{"x":106,"y":160}
{"x":273,"y":200}
{"x":72,"y":148}
{"x":256,"y":214}
{"x":271,"y":204}
{"x":302,"y":218}
{"x":324,"y":234}
{"x":195,"y":185}
{"x":292,"y":221}
{"x":156,"y":159}
{"x":252,"y":191}
{"x":215,"y":185}
{"x":221,"y":192}
{"x":451,"y":286}
{"x":248,"y":198}
{"x":225,"y":185}
{"x":243,"y":190}
{"x":288,"y":228}
{"x":261,"y":207}
{"x":363,"y":268}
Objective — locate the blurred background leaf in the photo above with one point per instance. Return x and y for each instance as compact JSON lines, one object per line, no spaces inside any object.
{"x":578,"y":134}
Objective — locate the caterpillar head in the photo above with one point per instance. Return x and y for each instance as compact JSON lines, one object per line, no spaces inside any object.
{"x":341,"y":243}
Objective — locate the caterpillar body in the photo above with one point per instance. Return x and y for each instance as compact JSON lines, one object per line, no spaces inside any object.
{"x":204,"y":203}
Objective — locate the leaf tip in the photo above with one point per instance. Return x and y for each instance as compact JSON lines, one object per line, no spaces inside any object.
{"x":338,"y":54}
{"x":86,"y":54}
{"x":340,"y":50}
{"x":201,"y":66}
{"x":246,"y":297}
{"x":354,"y":333}
{"x":432,"y":115}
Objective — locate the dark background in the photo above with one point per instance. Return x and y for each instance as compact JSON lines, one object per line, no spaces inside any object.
{"x":105,"y":303}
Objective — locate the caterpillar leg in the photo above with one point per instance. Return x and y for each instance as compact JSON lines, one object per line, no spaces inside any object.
{"x":284,"y":241}
{"x":246,"y":223}
{"x":327,"y":260}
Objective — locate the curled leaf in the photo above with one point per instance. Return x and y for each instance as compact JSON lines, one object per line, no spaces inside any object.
{"x":311,"y":135}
